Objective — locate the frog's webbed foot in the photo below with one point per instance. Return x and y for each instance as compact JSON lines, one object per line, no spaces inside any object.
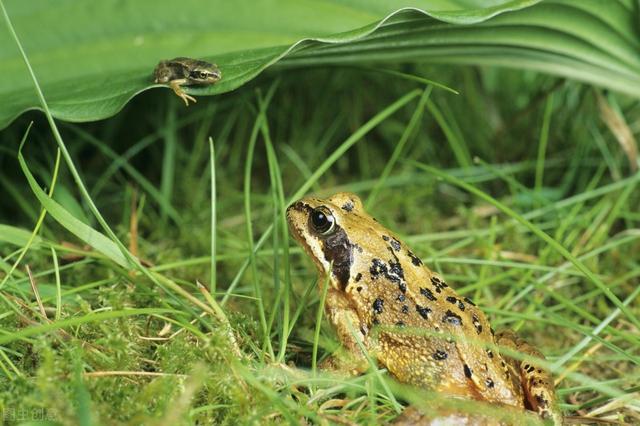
{"x":177,"y":89}
{"x":537,"y":382}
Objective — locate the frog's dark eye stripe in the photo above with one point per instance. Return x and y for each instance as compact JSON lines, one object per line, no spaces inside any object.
{"x":322,"y":221}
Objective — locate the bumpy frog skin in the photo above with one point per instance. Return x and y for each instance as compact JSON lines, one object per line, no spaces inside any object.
{"x":427,"y":335}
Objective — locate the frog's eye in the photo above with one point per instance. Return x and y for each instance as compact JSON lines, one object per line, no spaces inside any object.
{"x":322,"y":221}
{"x":198,"y":75}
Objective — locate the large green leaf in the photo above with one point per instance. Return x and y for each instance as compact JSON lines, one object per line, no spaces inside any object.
{"x":92,"y":57}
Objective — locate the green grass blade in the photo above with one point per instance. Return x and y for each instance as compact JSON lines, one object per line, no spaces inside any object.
{"x":542,"y":144}
{"x":41,"y":217}
{"x":84,"y":232}
{"x":214,"y":227}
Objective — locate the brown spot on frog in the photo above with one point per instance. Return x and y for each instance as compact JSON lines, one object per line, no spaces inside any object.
{"x":383,"y":284}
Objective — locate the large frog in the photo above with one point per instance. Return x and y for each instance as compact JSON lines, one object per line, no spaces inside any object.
{"x":376,"y":281}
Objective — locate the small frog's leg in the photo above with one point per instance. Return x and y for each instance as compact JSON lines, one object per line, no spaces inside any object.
{"x":344,"y":318}
{"x":176,"y":86}
{"x":537,"y":382}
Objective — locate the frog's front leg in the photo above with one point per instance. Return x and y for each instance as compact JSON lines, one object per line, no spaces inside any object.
{"x":537,"y":382}
{"x":176,"y":85}
{"x":348,"y":326}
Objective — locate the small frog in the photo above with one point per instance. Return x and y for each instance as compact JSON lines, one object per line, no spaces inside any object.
{"x":179,"y":72}
{"x":427,"y":335}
